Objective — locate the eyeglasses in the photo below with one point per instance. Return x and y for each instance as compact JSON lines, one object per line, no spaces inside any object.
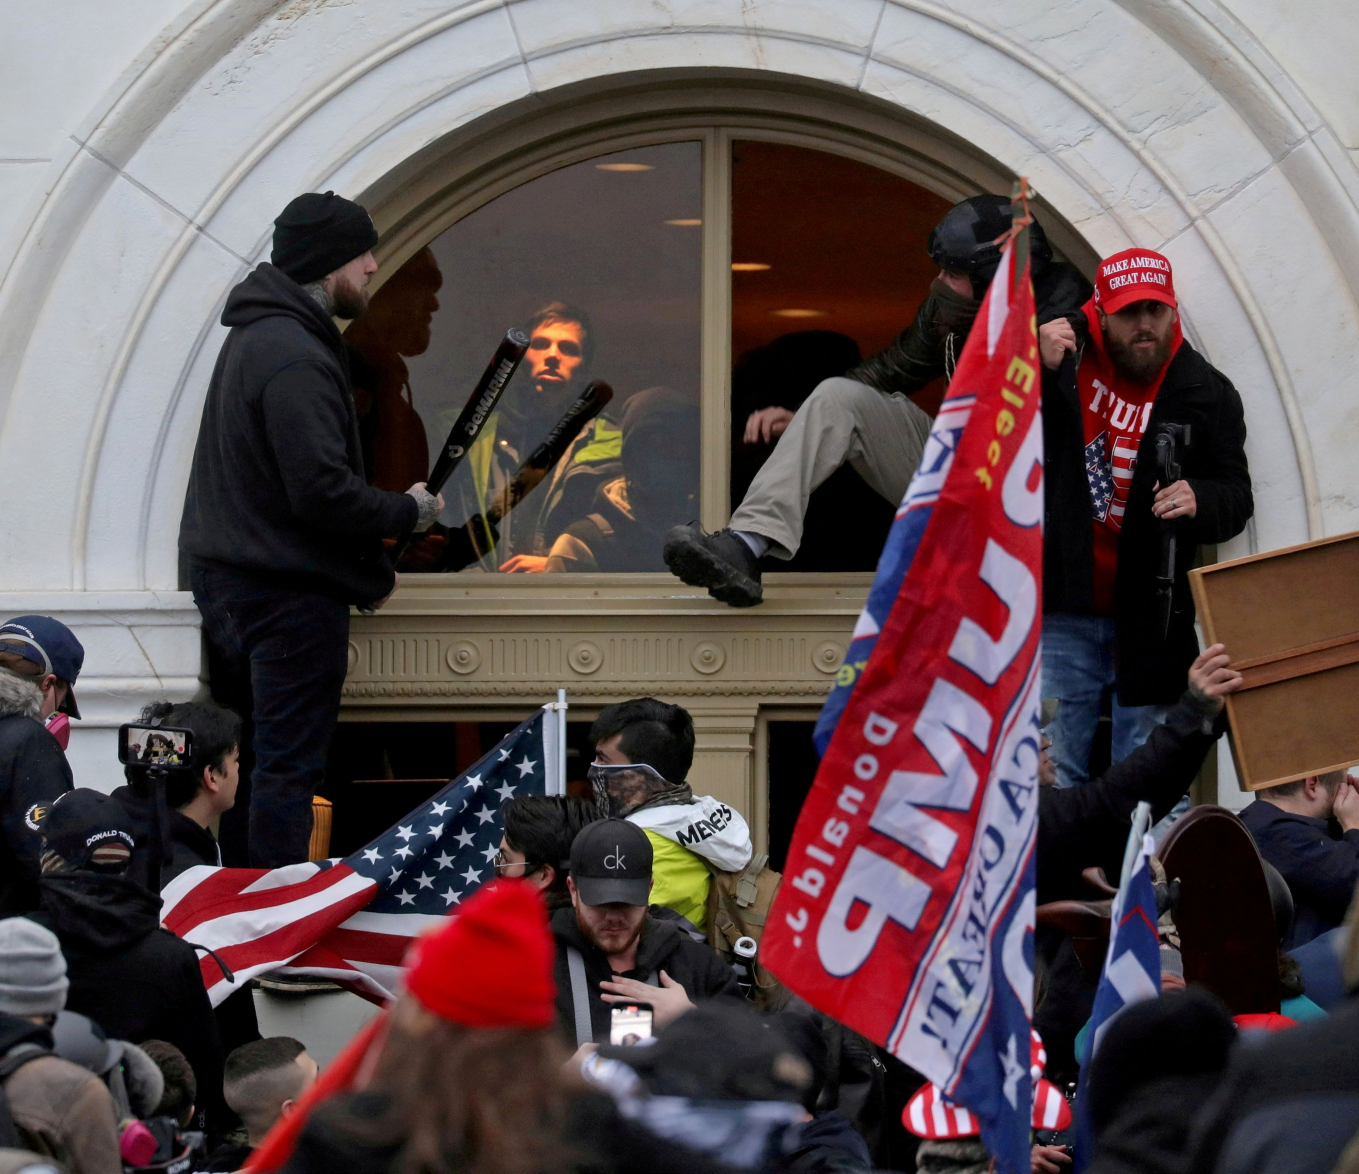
{"x":499,"y":862}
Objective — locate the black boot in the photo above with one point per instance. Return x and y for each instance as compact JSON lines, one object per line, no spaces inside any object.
{"x":721,"y":562}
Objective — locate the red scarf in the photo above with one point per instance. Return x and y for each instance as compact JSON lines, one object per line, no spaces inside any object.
{"x":1114,"y":414}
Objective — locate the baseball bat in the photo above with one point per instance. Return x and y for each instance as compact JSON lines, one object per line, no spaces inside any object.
{"x":530,"y":474}
{"x":467,"y":427}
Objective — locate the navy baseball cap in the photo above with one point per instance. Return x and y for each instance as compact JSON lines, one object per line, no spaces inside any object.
{"x":49,"y":644}
{"x":611,"y":863}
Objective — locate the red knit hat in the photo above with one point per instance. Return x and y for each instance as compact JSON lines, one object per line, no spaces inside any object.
{"x":491,"y":965}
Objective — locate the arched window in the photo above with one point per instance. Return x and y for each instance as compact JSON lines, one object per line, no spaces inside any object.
{"x":706,"y":278}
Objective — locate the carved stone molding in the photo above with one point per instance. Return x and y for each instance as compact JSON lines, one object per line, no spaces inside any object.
{"x":362,"y":690}
{"x":463,"y":657}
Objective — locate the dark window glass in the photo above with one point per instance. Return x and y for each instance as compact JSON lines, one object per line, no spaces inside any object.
{"x":829,"y":265}
{"x":600,"y":263}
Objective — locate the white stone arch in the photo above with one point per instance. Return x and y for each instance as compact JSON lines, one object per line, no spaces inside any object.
{"x":1139,"y":122}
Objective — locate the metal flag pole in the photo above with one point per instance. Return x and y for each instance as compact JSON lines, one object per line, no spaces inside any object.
{"x":556,"y":772}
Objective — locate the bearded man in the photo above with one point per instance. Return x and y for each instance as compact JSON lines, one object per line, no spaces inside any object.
{"x":611,"y":952}
{"x":1115,"y":375}
{"x":281,"y":531}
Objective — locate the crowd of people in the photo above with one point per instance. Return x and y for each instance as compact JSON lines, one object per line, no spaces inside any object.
{"x":596,"y":1006}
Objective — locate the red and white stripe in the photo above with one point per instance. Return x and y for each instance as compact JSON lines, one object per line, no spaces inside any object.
{"x":258,"y":920}
{"x":930,"y":1115}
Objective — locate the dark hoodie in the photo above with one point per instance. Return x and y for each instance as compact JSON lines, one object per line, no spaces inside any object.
{"x":33,"y":773}
{"x":134,"y":979}
{"x":277,"y":485}
{"x":692,"y":964}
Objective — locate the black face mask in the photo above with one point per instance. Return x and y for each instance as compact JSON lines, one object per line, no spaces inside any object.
{"x":953,"y":312}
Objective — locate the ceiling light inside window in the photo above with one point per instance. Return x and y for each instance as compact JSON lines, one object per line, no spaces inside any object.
{"x":685,"y":223}
{"x":748,"y":266}
{"x":796,"y":313}
{"x":624,"y":167}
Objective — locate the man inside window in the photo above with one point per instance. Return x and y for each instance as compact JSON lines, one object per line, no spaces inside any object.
{"x":611,"y":952}
{"x":558,"y":361}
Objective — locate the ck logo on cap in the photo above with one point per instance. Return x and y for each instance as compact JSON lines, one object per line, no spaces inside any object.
{"x":614,"y":860}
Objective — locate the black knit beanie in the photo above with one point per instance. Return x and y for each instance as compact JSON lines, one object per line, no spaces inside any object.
{"x":317,"y":234}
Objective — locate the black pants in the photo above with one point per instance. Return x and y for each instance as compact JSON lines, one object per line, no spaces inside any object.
{"x":278,"y":657}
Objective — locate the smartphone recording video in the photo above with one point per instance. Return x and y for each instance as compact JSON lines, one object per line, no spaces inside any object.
{"x":629,"y":1025}
{"x":160,"y":746}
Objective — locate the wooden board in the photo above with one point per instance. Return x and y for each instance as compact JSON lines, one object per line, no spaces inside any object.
{"x":1290,"y":620}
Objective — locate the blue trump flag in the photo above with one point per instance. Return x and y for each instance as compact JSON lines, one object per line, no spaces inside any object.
{"x":1132,"y":969}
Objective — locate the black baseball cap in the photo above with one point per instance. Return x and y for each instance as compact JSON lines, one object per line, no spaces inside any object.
{"x":611,"y":863}
{"x":89,"y":829}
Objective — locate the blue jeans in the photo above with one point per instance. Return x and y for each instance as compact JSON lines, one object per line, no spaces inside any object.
{"x":278,"y":657}
{"x":1078,"y":669}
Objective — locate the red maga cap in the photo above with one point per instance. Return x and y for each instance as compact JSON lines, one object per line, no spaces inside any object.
{"x":1134,"y":275}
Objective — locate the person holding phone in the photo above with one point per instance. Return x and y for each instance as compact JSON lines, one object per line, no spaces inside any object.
{"x":612,"y":953}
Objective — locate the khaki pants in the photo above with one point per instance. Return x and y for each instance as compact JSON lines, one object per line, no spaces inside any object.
{"x":880,"y":435}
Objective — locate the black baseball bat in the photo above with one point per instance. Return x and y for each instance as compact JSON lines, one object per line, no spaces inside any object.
{"x":467,"y":427}
{"x":479,"y":406}
{"x":530,"y":474}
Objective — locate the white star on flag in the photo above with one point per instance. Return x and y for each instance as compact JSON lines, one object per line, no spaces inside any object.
{"x":471,"y":876}
{"x":396,"y":874}
{"x":491,"y":853}
{"x":504,"y":755}
{"x":444,"y":860}
{"x":464,"y":839}
{"x":526,"y":767}
{"x":425,"y":881}
{"x":485,"y":815}
{"x":505,"y":791}
{"x":450,"y":896}
{"x":474,"y":781}
{"x":403,"y":853}
{"x":406,"y":898}
{"x":405,"y":832}
{"x":372,"y":855}
{"x":436,"y":830}
{"x":439,"y":809}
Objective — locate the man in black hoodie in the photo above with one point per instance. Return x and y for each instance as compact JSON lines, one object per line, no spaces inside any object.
{"x":133,"y":978}
{"x":281,"y":531}
{"x":612,"y":952}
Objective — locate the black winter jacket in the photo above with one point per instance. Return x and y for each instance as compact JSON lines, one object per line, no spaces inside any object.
{"x":664,"y":946}
{"x":33,"y":772}
{"x":134,"y":979}
{"x":1150,"y":668}
{"x":926,"y":351}
{"x":1081,"y":827}
{"x":277,"y":484}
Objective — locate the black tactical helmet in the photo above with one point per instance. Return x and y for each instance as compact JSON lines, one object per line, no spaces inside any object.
{"x":963,"y":241}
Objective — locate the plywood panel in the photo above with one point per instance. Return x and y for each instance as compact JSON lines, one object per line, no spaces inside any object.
{"x":1290,"y":620}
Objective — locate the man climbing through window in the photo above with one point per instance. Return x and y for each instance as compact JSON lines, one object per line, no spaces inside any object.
{"x":865,"y":418}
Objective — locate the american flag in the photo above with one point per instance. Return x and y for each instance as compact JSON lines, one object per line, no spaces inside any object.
{"x":1100,"y":476}
{"x":352,"y":920}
